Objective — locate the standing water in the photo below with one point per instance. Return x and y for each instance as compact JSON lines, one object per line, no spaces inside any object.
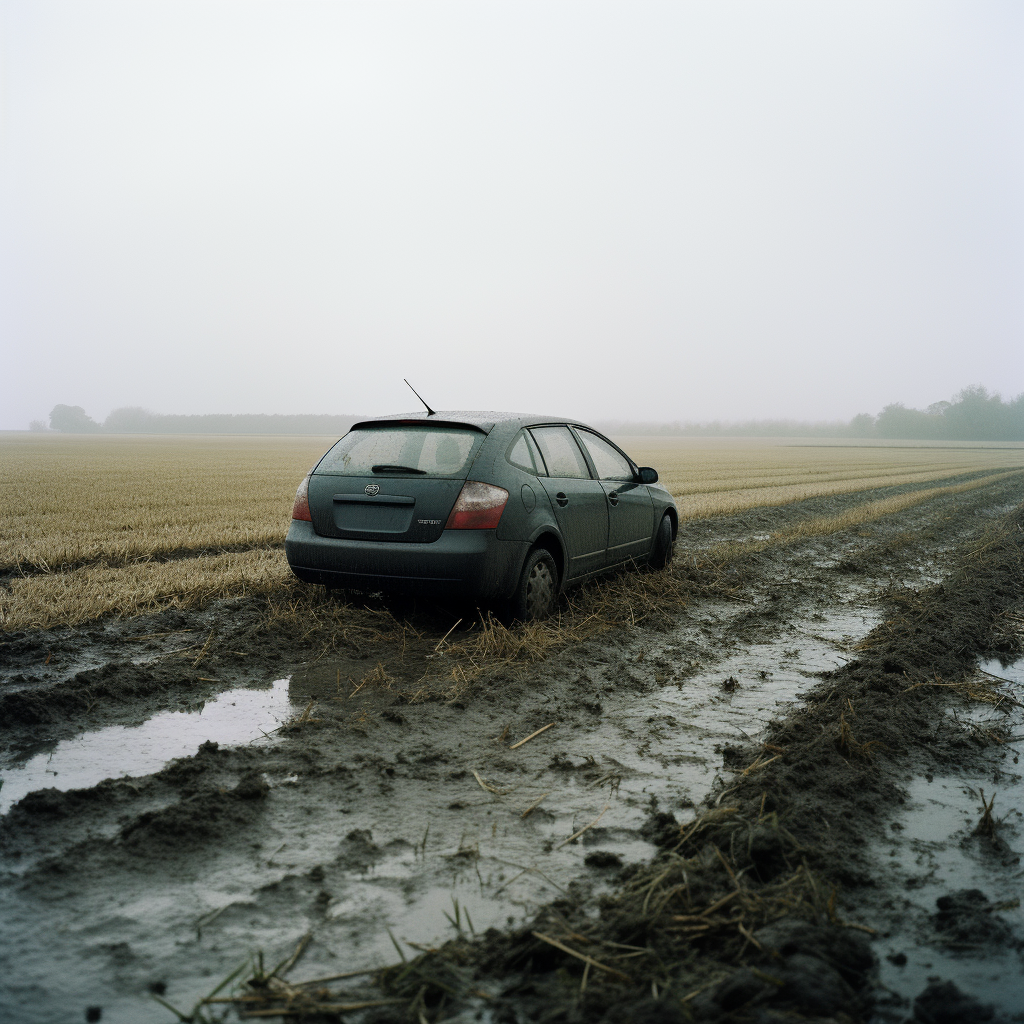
{"x":937,"y":850}
{"x":233,"y":717}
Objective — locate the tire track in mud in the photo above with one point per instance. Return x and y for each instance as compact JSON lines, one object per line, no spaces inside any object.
{"x":191,"y":829}
{"x":777,"y":518}
{"x":791,"y":827}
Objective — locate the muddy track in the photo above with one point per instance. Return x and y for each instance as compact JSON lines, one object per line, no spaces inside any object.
{"x":787,"y":844}
{"x":719,"y":529}
{"x":374,"y":809}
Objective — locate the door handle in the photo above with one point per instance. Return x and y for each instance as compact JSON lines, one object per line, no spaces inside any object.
{"x":613,"y":498}
{"x":562,"y":498}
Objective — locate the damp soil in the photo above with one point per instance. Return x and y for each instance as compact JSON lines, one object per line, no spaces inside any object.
{"x":766,"y":719}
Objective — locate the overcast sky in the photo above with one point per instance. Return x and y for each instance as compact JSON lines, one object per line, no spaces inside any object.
{"x":626,"y":210}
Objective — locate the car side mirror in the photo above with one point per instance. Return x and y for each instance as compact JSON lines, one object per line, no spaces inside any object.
{"x":648,"y":475}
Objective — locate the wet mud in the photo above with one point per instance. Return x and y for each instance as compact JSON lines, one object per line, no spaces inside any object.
{"x":798,"y":740}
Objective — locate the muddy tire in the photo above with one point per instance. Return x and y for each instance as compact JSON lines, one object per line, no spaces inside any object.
{"x":537,"y":591}
{"x":661,"y":553}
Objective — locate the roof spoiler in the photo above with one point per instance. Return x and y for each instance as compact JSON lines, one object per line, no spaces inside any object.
{"x":424,"y":421}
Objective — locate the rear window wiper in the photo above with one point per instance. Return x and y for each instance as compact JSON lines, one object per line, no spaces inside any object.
{"x":397,"y":469}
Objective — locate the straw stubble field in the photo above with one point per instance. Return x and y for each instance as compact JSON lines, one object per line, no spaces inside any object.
{"x":123,"y":524}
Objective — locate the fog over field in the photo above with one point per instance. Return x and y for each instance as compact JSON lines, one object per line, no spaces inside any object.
{"x":671,"y":212}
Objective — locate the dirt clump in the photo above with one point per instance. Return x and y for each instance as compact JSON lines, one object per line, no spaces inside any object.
{"x":602,"y":859}
{"x":207,"y":814}
{"x":808,"y":969}
{"x":965,"y":919}
{"x":943,"y":1003}
{"x":114,"y":680}
{"x":54,"y":804}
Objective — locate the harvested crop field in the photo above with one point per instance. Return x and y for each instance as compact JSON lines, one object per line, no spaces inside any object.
{"x":205,"y":517}
{"x":757,"y":786}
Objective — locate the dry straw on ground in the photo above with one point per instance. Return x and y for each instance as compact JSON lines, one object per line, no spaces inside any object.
{"x":94,"y":590}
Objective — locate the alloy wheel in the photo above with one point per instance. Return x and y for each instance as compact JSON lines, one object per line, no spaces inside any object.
{"x":540,"y":591}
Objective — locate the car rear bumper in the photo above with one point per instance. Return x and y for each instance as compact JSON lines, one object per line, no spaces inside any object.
{"x":463,"y":563}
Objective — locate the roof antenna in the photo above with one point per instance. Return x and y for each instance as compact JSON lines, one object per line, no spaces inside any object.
{"x":430,"y":412}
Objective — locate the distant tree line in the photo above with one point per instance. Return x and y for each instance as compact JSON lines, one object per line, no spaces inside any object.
{"x":72,"y":419}
{"x":737,"y":428}
{"x":973,"y":415}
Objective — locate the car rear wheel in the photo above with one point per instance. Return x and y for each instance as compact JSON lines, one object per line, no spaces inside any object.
{"x":537,"y":591}
{"x":661,"y":553}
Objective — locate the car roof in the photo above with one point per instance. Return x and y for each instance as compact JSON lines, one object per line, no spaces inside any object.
{"x":483,"y":421}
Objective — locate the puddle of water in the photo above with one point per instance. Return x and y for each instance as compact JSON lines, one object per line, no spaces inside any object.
{"x":1014,"y":672}
{"x":935,"y":861}
{"x":932,"y":854}
{"x":233,"y":717}
{"x":734,"y":699}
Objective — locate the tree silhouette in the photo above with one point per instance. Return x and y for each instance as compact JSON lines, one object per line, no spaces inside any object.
{"x":72,"y":419}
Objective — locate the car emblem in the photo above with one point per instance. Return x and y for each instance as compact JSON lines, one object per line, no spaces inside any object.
{"x":372,"y":489}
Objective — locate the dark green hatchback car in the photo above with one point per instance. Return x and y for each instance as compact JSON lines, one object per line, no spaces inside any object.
{"x":503,"y":509}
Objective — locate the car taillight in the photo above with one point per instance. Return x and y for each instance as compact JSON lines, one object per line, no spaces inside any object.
{"x":478,"y":507}
{"x":300,"y":510}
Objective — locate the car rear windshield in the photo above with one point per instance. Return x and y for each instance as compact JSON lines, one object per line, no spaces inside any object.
{"x":412,"y":450}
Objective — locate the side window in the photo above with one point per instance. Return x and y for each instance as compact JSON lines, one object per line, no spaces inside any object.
{"x":561,"y":452}
{"x":609,"y":461}
{"x":520,"y":455}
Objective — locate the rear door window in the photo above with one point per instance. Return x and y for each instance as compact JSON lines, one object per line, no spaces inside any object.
{"x":414,"y":450}
{"x":561,"y":452}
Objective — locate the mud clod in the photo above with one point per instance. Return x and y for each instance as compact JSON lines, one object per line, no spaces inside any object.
{"x":661,"y":828}
{"x":965,"y":918}
{"x":844,"y":949}
{"x":944,"y":1003}
{"x":770,"y":850}
{"x":602,"y":859}
{"x":251,"y":787}
{"x":211,"y":814}
{"x":800,"y":983}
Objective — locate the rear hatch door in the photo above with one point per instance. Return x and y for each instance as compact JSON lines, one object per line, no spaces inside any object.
{"x":392,"y":481}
